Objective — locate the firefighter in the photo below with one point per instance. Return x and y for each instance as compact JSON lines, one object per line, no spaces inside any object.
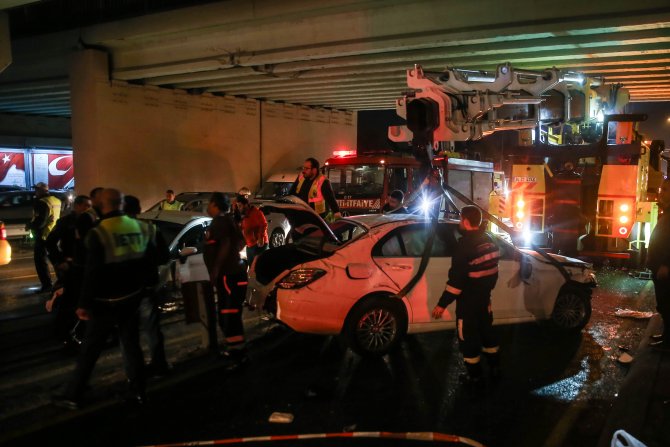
{"x":170,"y":203}
{"x":228,"y":275}
{"x":658,"y":261}
{"x":46,"y":211}
{"x":473,"y":274}
{"x":120,"y":266}
{"x":314,"y":189}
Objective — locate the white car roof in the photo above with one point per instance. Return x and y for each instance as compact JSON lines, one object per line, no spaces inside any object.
{"x":283,"y":177}
{"x":177,"y":217}
{"x":374,"y":220}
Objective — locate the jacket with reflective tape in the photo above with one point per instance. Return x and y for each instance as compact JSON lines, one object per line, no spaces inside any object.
{"x":46,"y":212}
{"x":120,"y":259}
{"x":473,"y":273}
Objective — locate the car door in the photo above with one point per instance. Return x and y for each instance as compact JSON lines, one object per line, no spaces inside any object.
{"x":508,"y":297}
{"x":399,"y":254}
{"x":192,"y":268}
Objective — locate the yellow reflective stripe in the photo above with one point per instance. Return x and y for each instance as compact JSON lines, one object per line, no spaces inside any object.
{"x":491,"y":350}
{"x":452,"y":289}
{"x":486,"y":257}
{"x":489,"y":272}
{"x":460,"y":330}
{"x":471,"y":360}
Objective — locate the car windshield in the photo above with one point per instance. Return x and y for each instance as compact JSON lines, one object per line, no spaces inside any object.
{"x":274,"y":190}
{"x":356,"y":181}
{"x":345,"y":230}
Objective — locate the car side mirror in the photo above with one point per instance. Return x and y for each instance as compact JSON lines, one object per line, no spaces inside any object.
{"x":359,"y":271}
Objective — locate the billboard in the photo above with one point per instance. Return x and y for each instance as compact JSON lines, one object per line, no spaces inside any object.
{"x":54,"y":169}
{"x":12,"y":168}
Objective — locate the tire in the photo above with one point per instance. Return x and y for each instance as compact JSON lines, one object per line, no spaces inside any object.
{"x":572,"y":310}
{"x":277,"y":238}
{"x":375,"y":326}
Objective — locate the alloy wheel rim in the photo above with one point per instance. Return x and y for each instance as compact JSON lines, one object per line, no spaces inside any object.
{"x":377,"y":329}
{"x":569,"y":311}
{"x":277,"y":240}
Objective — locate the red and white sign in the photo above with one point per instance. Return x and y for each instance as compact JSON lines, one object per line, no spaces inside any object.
{"x":56,"y":170}
{"x":12,"y":169}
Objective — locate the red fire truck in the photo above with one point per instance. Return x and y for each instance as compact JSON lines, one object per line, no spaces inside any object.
{"x":362,"y":183}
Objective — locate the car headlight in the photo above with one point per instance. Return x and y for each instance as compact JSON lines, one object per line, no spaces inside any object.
{"x":300,"y":278}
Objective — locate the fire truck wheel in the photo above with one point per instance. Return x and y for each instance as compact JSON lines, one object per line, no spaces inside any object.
{"x":572,"y":310}
{"x":375,"y":325}
{"x":277,"y":238}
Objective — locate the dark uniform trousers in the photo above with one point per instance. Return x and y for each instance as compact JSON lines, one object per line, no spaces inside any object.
{"x":105,"y":315}
{"x":41,"y":264}
{"x":662,"y":291}
{"x":231,"y":290}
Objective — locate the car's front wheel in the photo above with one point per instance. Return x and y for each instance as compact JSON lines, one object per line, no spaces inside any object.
{"x":277,"y":238}
{"x":375,"y":325}
{"x":572,"y":310}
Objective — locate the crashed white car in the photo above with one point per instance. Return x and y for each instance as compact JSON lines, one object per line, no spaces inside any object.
{"x":345,"y":279}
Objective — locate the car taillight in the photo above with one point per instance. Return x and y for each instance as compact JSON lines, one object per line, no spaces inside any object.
{"x":300,"y":278}
{"x":3,"y":232}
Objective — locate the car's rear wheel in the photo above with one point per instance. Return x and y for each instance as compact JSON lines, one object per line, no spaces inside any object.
{"x":375,"y":325}
{"x":572,"y":310}
{"x":277,"y":238}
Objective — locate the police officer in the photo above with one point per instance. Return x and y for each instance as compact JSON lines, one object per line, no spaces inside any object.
{"x":314,"y":189}
{"x":46,"y":211}
{"x":228,"y":274}
{"x":170,"y":203}
{"x":658,"y":261}
{"x":473,"y":274}
{"x":120,"y":266}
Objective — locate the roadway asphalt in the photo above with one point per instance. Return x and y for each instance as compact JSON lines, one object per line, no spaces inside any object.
{"x":642,"y":407}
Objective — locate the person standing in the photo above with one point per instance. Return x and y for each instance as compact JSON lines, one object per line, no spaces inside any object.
{"x":254,"y":228}
{"x":394,"y":203}
{"x":61,"y":247}
{"x":170,"y":203}
{"x":46,"y":211}
{"x":149,"y":310}
{"x":473,"y":274}
{"x":228,"y":275}
{"x":120,"y":265}
{"x":658,"y":261}
{"x":314,"y":188}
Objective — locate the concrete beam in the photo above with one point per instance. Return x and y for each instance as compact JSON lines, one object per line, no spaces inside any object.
{"x":5,"y":47}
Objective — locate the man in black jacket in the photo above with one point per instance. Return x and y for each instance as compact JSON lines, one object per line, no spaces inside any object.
{"x":658,"y":261}
{"x":473,"y":274}
{"x":120,"y":265}
{"x":61,"y":246}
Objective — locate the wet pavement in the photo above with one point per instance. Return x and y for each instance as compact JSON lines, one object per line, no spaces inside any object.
{"x":556,"y":390}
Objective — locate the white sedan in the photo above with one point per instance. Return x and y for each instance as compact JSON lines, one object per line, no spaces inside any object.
{"x":345,"y":279}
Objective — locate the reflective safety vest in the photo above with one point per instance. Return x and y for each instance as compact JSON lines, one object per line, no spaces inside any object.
{"x":124,"y":238}
{"x":174,"y":206}
{"x":54,"y":214}
{"x":314,"y":195}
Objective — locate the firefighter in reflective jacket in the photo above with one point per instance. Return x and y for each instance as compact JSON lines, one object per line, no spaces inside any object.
{"x":314,"y":189}
{"x":120,"y":267}
{"x":473,"y":274}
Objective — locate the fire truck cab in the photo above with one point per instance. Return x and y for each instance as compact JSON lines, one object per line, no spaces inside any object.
{"x":362,"y":183}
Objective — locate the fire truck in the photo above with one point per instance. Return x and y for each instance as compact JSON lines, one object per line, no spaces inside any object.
{"x":362,"y":182}
{"x":579,"y":175}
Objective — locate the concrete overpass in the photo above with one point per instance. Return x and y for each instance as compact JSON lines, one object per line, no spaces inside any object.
{"x":345,"y":54}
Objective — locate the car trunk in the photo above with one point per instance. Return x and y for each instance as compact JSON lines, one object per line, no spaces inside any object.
{"x":307,"y":226}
